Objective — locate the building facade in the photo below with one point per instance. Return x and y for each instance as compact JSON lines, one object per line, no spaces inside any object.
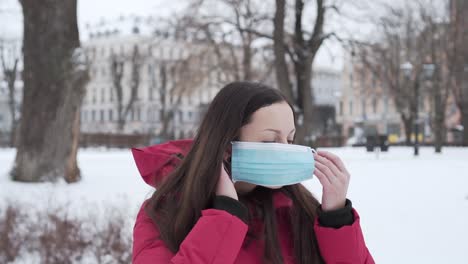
{"x":367,"y":107}
{"x":172,"y":84}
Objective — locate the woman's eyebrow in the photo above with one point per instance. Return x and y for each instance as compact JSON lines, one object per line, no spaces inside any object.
{"x":277,"y":131}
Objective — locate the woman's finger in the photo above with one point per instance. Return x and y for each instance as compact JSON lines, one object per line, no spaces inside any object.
{"x":322,"y":178}
{"x":334,"y":158}
{"x":329,"y":164}
{"x":342,"y":175}
{"x":327,"y":172}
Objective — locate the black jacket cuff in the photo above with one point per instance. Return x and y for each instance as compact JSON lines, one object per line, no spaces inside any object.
{"x":231,"y":206}
{"x":337,"y":218}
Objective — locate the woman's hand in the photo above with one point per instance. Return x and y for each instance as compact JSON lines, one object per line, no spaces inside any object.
{"x":225,"y":185}
{"x":334,"y":178}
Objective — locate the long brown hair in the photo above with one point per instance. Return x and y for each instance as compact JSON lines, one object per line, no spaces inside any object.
{"x":176,"y":205}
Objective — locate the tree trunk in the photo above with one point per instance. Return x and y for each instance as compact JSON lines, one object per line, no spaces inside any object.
{"x":13,"y":133}
{"x":10,"y":75}
{"x":303,"y":58}
{"x":439,"y":119}
{"x":54,"y":86}
{"x":305,"y":101}
{"x":439,"y":128}
{"x":247,"y":61}
{"x":464,"y":123}
{"x":117,"y":69}
{"x":408,"y":126}
{"x":281,"y":66}
{"x":117,"y":72}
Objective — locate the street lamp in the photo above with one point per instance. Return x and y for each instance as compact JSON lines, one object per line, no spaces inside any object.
{"x":407,"y":69}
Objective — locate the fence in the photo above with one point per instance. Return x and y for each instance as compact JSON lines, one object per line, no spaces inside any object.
{"x":114,"y":140}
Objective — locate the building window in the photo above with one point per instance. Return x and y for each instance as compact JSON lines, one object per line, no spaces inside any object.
{"x":137,"y":94}
{"x":93,"y":115}
{"x":151,"y":91}
{"x":149,"y":115}
{"x":374,"y":81}
{"x":161,"y":52}
{"x":150,"y":51}
{"x":386,"y":104}
{"x":341,"y":108}
{"x":363,"y":78}
{"x":374,"y":105}
{"x":171,"y":53}
{"x":94,"y":96}
{"x":157,"y":115}
{"x":102,"y":115}
{"x":111,"y":118}
{"x":363,"y":106}
{"x":350,"y":107}
{"x":138,"y":114}
{"x":103,"y":95}
{"x":150,"y":69}
{"x":111,"y":94}
{"x":181,"y":116}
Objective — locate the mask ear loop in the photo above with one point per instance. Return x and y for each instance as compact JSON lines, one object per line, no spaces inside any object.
{"x":314,"y":151}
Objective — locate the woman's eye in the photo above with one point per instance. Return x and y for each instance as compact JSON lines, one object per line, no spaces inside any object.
{"x":290,"y":141}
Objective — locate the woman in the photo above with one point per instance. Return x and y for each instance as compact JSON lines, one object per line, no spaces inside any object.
{"x":198,"y":215}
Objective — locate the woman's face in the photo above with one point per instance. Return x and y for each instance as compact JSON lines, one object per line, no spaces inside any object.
{"x":270,"y":124}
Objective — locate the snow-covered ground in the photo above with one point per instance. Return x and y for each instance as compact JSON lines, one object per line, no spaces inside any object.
{"x":413,"y":210}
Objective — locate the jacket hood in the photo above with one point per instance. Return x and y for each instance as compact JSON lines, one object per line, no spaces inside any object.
{"x":155,"y":162}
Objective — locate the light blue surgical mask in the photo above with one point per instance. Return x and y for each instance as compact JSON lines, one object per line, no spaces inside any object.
{"x":271,"y":164}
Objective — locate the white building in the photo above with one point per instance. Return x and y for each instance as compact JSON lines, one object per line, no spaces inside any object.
{"x":99,"y":109}
{"x":327,"y":86}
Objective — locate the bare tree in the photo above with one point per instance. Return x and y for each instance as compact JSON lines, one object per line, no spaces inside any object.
{"x":299,"y":47}
{"x":179,"y":78}
{"x":10,"y":57}
{"x":416,"y":35}
{"x":458,"y":45}
{"x":55,"y":74}
{"x":398,"y":45}
{"x":117,"y":69}
{"x":233,"y":35}
{"x":435,"y":37}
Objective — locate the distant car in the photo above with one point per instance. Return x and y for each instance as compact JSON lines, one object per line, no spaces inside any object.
{"x":355,"y":141}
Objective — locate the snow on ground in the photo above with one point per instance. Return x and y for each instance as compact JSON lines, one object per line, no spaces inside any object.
{"x":413,"y":209}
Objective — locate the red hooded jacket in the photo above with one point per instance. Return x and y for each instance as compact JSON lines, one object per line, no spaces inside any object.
{"x":218,"y":236}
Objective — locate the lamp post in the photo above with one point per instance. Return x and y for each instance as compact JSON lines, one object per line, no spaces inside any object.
{"x":407,"y":69}
{"x":428,"y":71}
